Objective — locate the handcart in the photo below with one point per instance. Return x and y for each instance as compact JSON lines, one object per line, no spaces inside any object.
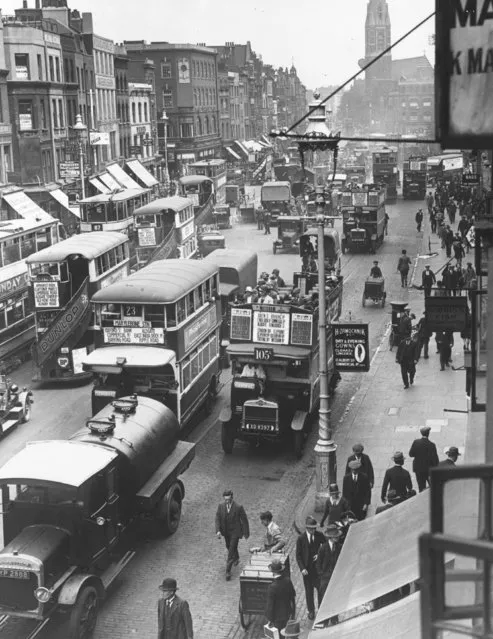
{"x":255,"y":579}
{"x":374,"y":290}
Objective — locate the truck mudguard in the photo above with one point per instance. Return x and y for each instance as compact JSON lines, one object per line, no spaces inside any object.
{"x":298,"y":420}
{"x":225,"y":415}
{"x":71,"y":588}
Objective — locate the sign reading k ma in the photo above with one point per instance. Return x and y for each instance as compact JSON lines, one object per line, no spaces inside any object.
{"x":464,"y":65}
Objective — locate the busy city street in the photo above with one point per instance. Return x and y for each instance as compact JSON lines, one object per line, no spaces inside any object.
{"x":260,"y":478}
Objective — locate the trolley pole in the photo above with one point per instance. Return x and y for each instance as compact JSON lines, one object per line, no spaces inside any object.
{"x":325,"y":448}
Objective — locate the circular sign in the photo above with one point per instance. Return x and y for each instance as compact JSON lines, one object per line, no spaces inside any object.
{"x":360,"y":353}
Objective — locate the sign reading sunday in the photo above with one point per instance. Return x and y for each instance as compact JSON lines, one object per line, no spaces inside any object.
{"x":464,"y":64}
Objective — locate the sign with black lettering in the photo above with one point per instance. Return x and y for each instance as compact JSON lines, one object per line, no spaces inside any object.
{"x":351,"y":344}
{"x":301,"y":329}
{"x":446,"y":313}
{"x":46,"y":294}
{"x":464,"y":67}
{"x":271,"y":327}
{"x":241,"y":324}
{"x":470,"y":179}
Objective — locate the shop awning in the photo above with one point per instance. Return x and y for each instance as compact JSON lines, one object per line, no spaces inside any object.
{"x":401,"y":620}
{"x":99,"y":186}
{"x":233,"y":154}
{"x":242,"y":150}
{"x":119,"y":174}
{"x":380,"y":554}
{"x":27,"y":208}
{"x":142,"y":173}
{"x":110,"y":182}
{"x":62,"y":198}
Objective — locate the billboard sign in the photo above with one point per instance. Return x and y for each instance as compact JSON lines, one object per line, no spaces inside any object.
{"x":351,"y":344}
{"x":99,"y":138}
{"x":464,"y":67}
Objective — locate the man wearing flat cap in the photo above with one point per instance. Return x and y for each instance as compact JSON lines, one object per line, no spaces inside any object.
{"x":281,"y":596}
{"x":307,"y":547}
{"x":364,"y":460}
{"x":356,"y":489}
{"x":392,"y":500}
{"x":452,"y":453}
{"x":174,"y":618}
{"x":327,"y":557}
{"x":425,"y":456}
{"x":397,"y":478}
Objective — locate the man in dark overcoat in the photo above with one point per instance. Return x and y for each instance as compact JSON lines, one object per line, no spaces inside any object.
{"x":174,"y":618}
{"x":327,"y":557}
{"x":397,"y":478}
{"x":425,"y":456}
{"x":307,"y":546}
{"x":232,"y":524}
{"x":364,"y":460}
{"x":281,"y":596}
{"x":356,"y":489}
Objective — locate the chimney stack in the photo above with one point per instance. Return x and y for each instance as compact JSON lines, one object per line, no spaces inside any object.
{"x":24,"y":4}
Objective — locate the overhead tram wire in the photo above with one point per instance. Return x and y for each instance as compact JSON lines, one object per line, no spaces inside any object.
{"x":353,"y":77}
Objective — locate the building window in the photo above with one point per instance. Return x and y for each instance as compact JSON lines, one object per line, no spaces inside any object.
{"x":167,"y":98}
{"x":55,"y":114}
{"x":57,"y":68}
{"x":26,"y":121}
{"x":206,"y":125}
{"x":140,"y":111}
{"x":145,"y":112}
{"x":22,"y":66}
{"x":427,"y":118}
{"x":186,"y":130}
{"x":52,"y":68}
{"x":165,"y":70}
{"x":133,"y":112}
{"x":43,"y":114}
{"x":427,"y":103}
{"x":78,"y":78}
{"x":199,"y":126}
{"x":60,"y":113}
{"x":40,"y":67}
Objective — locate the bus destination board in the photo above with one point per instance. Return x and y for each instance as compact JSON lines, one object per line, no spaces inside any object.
{"x":46,"y":294}
{"x":133,"y":335}
{"x":147,"y":236}
{"x":241,"y":324}
{"x":301,"y":329}
{"x":270,"y":327}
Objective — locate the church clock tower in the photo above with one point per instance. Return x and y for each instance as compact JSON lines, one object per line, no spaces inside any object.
{"x":377,"y":39}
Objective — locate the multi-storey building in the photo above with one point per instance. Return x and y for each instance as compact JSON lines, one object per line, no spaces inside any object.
{"x":224,"y":105}
{"x":6,"y":160}
{"x":140,"y":120}
{"x":37,"y":99}
{"x":186,"y":88}
{"x":238,"y":105}
{"x":123,"y":100}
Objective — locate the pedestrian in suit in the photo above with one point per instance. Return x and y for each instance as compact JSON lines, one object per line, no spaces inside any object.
{"x":364,"y":460}
{"x":452,"y":453}
{"x":307,"y":546}
{"x":406,"y":357}
{"x":174,"y":618}
{"x":356,"y":489}
{"x":425,"y":456}
{"x":232,"y":524}
{"x":397,"y":478}
{"x":281,"y":597}
{"x":335,"y":506}
{"x":428,"y":279}
{"x":392,"y":500}
{"x":327,"y":557}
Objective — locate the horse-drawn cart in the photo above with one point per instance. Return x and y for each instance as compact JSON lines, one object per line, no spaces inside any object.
{"x":374,"y":290}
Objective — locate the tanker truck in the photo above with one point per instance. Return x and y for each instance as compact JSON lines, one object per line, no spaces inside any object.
{"x":73,"y":510}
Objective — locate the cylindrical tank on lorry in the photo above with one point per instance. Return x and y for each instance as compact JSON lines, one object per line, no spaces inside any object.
{"x":142,"y":430}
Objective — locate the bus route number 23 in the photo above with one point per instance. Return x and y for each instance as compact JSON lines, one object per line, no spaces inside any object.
{"x":264,"y":354}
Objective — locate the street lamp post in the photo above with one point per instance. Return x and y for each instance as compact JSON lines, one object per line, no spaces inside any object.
{"x":325,"y":448}
{"x":164,"y":120}
{"x":79,"y":127}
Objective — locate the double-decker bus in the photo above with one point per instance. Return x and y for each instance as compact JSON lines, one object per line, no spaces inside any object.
{"x":62,"y":279}
{"x":158,"y":335}
{"x":197,"y":188}
{"x":385,"y":171}
{"x":112,"y":211}
{"x":165,"y":228}
{"x":414,"y":178}
{"x":363,"y":218}
{"x":274,"y":351}
{"x":356,"y":173}
{"x":216,"y":170}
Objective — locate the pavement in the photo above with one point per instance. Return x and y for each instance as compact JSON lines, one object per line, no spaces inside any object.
{"x":385,"y":417}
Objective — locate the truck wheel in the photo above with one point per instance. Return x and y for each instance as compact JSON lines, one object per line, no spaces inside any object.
{"x":169,"y":511}
{"x":227,"y":438}
{"x":298,"y":443}
{"x":245,"y":619}
{"x":84,"y":614}
{"x":26,"y":412}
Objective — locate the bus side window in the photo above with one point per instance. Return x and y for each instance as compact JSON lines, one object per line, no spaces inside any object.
{"x":181,"y":313}
{"x":170,"y":315}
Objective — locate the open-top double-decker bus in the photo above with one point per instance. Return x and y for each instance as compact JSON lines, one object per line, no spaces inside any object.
{"x":385,"y":170}
{"x":62,"y":278}
{"x":158,"y":336}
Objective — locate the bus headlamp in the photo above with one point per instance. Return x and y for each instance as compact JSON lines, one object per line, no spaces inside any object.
{"x":43,"y":595}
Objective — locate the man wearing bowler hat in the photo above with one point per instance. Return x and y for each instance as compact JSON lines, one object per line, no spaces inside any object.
{"x":397,"y":478}
{"x":307,"y":546}
{"x":327,"y":557}
{"x":281,"y":597}
{"x":364,"y":460}
{"x":425,"y":456}
{"x":174,"y":618}
{"x":357,"y":490}
{"x":335,"y":506}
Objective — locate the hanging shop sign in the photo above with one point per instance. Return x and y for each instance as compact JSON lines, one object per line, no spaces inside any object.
{"x":464,"y":68}
{"x":446,"y":313}
{"x":351,"y":347}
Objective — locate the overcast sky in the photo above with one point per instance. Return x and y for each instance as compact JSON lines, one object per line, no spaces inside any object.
{"x":324,"y":38}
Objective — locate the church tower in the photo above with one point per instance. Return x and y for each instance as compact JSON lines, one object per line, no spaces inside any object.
{"x":377,"y":39}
